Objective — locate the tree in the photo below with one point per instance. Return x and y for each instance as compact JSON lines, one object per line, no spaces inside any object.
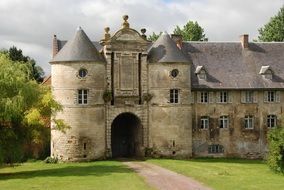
{"x":276,"y":149}
{"x":17,"y":55}
{"x":274,"y":29}
{"x":25,"y":110}
{"x":154,"y":36}
{"x":191,"y":32}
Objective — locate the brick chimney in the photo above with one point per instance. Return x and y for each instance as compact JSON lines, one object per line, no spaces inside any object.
{"x":54,"y":46}
{"x":245,"y":41}
{"x":177,"y":39}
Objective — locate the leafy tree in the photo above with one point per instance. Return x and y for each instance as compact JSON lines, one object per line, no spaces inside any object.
{"x":276,"y":149}
{"x":274,"y":29}
{"x":154,"y":36}
{"x":191,"y":31}
{"x":35,"y":71}
{"x":25,"y":110}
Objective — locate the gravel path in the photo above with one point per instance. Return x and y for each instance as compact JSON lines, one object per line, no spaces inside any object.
{"x":163,"y":179}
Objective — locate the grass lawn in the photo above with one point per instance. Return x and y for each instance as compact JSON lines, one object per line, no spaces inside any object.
{"x":226,"y":174}
{"x":99,"y":175}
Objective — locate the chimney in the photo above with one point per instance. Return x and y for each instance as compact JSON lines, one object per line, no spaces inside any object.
{"x":54,"y":46}
{"x":245,"y":41}
{"x":177,"y":38}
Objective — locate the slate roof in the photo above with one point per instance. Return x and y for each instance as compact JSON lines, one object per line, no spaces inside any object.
{"x":79,"y":48}
{"x":165,"y":50}
{"x":229,"y":66}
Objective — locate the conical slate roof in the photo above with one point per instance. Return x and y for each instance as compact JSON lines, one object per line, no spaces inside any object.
{"x":79,"y":48}
{"x":165,"y":50}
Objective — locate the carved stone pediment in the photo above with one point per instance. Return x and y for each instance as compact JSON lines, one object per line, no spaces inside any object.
{"x":128,"y":35}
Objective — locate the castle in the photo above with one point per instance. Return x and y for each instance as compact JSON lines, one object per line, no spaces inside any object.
{"x":126,"y":96}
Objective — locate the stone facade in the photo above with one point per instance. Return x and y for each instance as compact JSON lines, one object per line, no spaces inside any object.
{"x":159,"y":86}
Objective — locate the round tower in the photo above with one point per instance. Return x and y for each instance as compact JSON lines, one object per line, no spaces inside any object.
{"x":78,"y":83}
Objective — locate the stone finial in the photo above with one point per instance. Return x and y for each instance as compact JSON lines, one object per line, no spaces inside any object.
{"x":125,"y":24}
{"x":107,"y":34}
{"x":143,"y":31}
{"x":54,"y":46}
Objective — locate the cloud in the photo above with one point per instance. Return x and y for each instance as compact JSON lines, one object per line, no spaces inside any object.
{"x":30,"y":24}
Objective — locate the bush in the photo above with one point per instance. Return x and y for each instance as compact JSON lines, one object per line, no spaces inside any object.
{"x":276,"y":149}
{"x":51,"y":160}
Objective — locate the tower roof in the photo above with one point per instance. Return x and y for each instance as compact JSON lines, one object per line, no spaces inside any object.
{"x":79,"y":48}
{"x":165,"y":50}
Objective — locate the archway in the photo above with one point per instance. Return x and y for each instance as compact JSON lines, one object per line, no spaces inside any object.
{"x":125,"y":135}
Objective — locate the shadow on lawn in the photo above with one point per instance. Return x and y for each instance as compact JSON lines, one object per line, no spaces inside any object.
{"x":96,"y":170}
{"x":227,"y":160}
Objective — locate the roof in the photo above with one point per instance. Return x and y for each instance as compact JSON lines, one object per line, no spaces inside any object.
{"x":229,"y":66}
{"x":79,"y":48}
{"x":165,"y":50}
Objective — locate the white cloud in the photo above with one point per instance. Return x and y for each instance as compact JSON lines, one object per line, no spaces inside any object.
{"x":30,"y":24}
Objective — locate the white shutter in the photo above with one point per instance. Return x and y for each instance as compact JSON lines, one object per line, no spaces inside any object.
{"x":243,"y":96}
{"x":198,"y":94}
{"x":75,"y":97}
{"x":265,"y":96}
{"x":218,"y":98}
{"x":255,"y":96}
{"x":277,"y":94}
{"x":211,"y":97}
{"x":230,"y":97}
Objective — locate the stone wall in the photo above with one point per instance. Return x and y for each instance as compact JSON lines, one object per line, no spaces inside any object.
{"x":236,"y":140}
{"x":86,"y":138}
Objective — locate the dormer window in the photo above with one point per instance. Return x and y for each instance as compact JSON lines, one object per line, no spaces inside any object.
{"x":201,"y":73}
{"x":266,"y":72}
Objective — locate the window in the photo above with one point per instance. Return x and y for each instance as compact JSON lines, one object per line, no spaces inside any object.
{"x":271,"y":121}
{"x":202,"y":75}
{"x":271,"y":96}
{"x":215,"y":148}
{"x":204,"y":123}
{"x":174,"y":93}
{"x":224,"y":96}
{"x":249,"y":96}
{"x":174,"y":73}
{"x":204,"y":96}
{"x":224,"y":122}
{"x":249,"y":122}
{"x":83,"y":73}
{"x":82,"y":96}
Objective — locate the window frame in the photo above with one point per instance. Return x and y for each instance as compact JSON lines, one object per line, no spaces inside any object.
{"x":204,"y":122}
{"x":269,"y":120}
{"x":204,"y":95}
{"x":82,"y":96}
{"x":223,"y":95}
{"x":224,"y":122}
{"x":271,"y":96}
{"x":249,"y":96}
{"x":174,"y":96}
{"x":249,"y":122}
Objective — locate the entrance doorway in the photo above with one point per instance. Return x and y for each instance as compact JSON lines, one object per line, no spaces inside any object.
{"x":125,"y":135}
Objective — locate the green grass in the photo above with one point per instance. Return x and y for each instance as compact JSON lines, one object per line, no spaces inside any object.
{"x":226,"y":174}
{"x":97,"y":175}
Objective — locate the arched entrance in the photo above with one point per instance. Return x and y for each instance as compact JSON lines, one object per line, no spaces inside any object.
{"x":125,"y":135}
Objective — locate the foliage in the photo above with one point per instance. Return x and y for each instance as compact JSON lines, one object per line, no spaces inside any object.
{"x":51,"y":160}
{"x":224,"y":174}
{"x":276,"y":149}
{"x":25,"y":110}
{"x":105,"y":175}
{"x":274,"y":29}
{"x":154,"y":36}
{"x":191,"y":31}
{"x":35,"y":71}
{"x":107,"y":95}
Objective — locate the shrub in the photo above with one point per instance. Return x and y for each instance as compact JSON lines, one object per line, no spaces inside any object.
{"x":276,"y":149}
{"x":107,"y":95}
{"x":51,"y":160}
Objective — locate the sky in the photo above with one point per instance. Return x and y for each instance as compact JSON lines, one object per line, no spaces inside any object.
{"x":31,"y":24}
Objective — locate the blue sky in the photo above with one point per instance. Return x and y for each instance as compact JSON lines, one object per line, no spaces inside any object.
{"x":30,"y":24}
